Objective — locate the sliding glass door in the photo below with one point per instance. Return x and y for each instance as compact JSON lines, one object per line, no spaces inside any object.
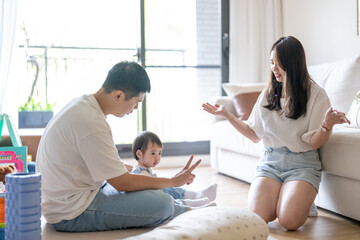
{"x":182,"y":58}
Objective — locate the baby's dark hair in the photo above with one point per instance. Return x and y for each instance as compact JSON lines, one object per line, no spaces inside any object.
{"x":142,"y":141}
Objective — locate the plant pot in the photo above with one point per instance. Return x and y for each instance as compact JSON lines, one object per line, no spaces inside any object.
{"x":34,"y":119}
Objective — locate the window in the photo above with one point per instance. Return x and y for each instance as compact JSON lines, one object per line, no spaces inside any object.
{"x":77,"y":42}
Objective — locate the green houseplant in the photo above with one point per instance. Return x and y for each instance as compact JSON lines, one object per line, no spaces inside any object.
{"x":33,"y":115}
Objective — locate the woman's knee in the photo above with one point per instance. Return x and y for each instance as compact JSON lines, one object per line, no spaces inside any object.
{"x":263,"y":196}
{"x":267,"y":215}
{"x":291,"y":221}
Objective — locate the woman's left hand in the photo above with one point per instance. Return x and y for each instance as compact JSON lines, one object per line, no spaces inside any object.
{"x":333,"y":117}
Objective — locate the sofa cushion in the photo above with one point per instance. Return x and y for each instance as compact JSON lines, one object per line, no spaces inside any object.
{"x":244,"y":97}
{"x":225,"y":136}
{"x":340,"y":80}
{"x":244,"y":104}
{"x":340,"y":155}
{"x":223,"y":222}
{"x":354,"y":112}
{"x":233,"y":89}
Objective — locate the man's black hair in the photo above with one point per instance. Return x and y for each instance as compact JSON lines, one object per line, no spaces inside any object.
{"x":129,"y":77}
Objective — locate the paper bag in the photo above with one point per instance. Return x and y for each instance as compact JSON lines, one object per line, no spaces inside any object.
{"x":7,"y":152}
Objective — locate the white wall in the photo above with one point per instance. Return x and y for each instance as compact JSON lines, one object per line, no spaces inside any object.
{"x":326,"y":28}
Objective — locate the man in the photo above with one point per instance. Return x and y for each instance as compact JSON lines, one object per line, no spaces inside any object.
{"x":85,"y":185}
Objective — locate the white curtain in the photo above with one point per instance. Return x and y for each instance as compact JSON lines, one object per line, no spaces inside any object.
{"x":254,"y":26}
{"x":8,"y":15}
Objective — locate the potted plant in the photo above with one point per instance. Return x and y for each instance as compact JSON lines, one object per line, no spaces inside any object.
{"x":34,"y":114}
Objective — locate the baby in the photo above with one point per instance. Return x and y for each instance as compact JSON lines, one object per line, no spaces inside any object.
{"x":147,"y":148}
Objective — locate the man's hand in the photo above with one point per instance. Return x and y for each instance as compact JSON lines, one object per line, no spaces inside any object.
{"x":185,"y":176}
{"x":135,"y":182}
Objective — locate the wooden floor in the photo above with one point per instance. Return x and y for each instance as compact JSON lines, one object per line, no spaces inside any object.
{"x":232,"y":192}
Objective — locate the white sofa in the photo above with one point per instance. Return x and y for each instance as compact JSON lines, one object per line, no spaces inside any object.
{"x":236,"y":156}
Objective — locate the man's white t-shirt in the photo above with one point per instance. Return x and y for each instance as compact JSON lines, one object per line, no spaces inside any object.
{"x":76,"y":155}
{"x":277,"y":130}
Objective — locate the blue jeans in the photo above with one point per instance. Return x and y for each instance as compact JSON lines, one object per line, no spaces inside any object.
{"x":112,"y":209}
{"x":175,"y":192}
{"x":178,"y":194}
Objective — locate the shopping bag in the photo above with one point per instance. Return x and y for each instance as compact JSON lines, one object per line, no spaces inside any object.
{"x":15,"y":154}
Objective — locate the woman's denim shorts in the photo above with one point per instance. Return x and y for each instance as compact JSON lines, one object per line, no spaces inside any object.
{"x":284,"y":165}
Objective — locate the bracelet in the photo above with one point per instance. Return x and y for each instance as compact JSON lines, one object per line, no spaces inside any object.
{"x":324,"y":129}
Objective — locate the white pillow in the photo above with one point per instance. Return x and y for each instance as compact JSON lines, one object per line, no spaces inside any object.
{"x":340,"y":79}
{"x":224,"y":223}
{"x":354,"y":112}
{"x":233,"y":89}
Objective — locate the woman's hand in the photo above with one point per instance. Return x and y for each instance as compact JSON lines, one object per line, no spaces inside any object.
{"x":239,"y":125}
{"x":185,"y":176}
{"x":217,"y":110}
{"x":333,"y":117}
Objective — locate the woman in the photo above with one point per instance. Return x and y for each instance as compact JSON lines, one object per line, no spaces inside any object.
{"x":293,"y":117}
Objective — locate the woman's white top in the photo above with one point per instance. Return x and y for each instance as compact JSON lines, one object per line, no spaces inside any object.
{"x":276,"y":130}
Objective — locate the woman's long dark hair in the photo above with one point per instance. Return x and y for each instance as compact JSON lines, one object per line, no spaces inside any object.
{"x":290,"y":55}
